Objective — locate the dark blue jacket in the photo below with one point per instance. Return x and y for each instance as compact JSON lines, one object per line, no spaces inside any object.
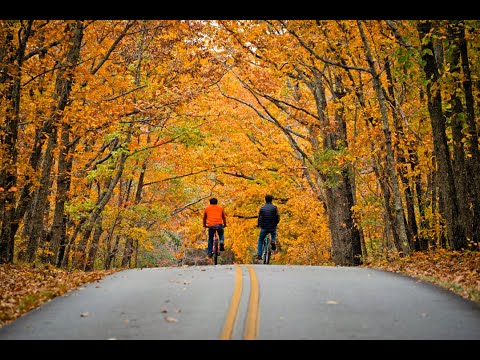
{"x":268,"y":216}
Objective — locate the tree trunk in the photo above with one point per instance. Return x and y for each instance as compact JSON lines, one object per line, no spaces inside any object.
{"x":346,"y":246}
{"x":417,"y":180}
{"x":455,"y":229}
{"x":473,"y":162}
{"x":10,"y":80}
{"x":40,"y":201}
{"x":412,"y":229}
{"x":129,"y":248}
{"x":456,"y":115}
{"x":34,"y":229}
{"x":62,"y":93}
{"x":127,"y":253}
{"x":390,"y":158}
{"x":112,"y":254}
{"x":92,"y":253}
{"x":387,"y":204}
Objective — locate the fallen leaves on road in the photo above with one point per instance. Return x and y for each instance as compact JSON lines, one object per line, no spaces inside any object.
{"x":24,"y":287}
{"x":171,"y":319}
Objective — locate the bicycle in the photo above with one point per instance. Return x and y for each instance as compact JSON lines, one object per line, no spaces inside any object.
{"x":266,"y":249}
{"x":215,"y":246}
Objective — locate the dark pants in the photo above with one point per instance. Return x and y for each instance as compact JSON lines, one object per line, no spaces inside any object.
{"x":211,"y":231}
{"x":261,"y":236}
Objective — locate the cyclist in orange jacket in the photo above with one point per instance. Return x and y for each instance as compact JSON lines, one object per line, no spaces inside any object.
{"x":214,"y":219}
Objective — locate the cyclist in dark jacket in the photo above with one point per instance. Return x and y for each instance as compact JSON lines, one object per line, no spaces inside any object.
{"x":268,"y":219}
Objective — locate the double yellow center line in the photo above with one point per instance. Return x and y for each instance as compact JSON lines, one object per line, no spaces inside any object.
{"x":251,"y":321}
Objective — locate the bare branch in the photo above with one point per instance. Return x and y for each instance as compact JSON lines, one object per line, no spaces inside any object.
{"x":239,"y":175}
{"x":114,"y":45}
{"x":311,"y":51}
{"x":181,"y":176}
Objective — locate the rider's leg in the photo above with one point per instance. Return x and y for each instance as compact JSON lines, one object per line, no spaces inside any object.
{"x":221,"y":237}
{"x":261,"y":236}
{"x":221,"y":234}
{"x":273,"y":239}
{"x":211,"y":232}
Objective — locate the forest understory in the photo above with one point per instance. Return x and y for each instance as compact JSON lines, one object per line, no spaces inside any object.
{"x":26,"y":287}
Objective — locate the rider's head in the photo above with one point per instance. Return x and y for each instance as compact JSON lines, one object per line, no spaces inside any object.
{"x":268,"y":198}
{"x":213,"y":201}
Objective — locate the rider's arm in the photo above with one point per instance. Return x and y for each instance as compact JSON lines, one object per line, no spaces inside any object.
{"x":204,"y":219}
{"x":224,"y":217}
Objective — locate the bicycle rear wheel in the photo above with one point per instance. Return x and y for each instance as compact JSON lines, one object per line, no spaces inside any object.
{"x":216,"y":251}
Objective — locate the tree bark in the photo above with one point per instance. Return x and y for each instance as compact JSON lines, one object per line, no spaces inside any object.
{"x":10,"y":78}
{"x":62,"y":93}
{"x":40,"y":202}
{"x":346,"y":246}
{"x":455,"y":113}
{"x":34,"y":229}
{"x":411,"y":223}
{"x":129,"y":248}
{"x":92,"y":252}
{"x":473,"y":162}
{"x":390,"y":157}
{"x":448,"y":193}
{"x":110,"y":262}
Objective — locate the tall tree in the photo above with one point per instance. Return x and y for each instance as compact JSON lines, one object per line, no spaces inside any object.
{"x":446,"y":179}
{"x":12,"y":57}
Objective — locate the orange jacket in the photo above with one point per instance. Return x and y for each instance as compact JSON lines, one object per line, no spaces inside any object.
{"x":214,"y":214}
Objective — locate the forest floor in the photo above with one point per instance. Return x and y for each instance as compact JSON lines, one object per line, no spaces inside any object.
{"x":25,"y":287}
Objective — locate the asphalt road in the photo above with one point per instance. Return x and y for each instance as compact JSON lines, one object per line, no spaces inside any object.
{"x":252,"y":302}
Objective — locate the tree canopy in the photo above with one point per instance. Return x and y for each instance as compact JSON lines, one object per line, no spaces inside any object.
{"x":115,"y":133}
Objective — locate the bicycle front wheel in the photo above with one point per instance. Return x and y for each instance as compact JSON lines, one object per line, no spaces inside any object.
{"x":266,"y":250}
{"x":266,"y":257}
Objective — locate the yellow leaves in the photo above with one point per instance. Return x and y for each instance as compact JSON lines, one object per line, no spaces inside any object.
{"x":136,"y":233}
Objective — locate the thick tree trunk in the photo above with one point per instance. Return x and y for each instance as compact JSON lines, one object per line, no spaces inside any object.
{"x":345,"y":237}
{"x":62,"y":93}
{"x":456,"y":115}
{"x":455,"y":229}
{"x":65,"y":163}
{"x":40,"y":202}
{"x":10,"y":79}
{"x":473,"y":162}
{"x":34,"y":229}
